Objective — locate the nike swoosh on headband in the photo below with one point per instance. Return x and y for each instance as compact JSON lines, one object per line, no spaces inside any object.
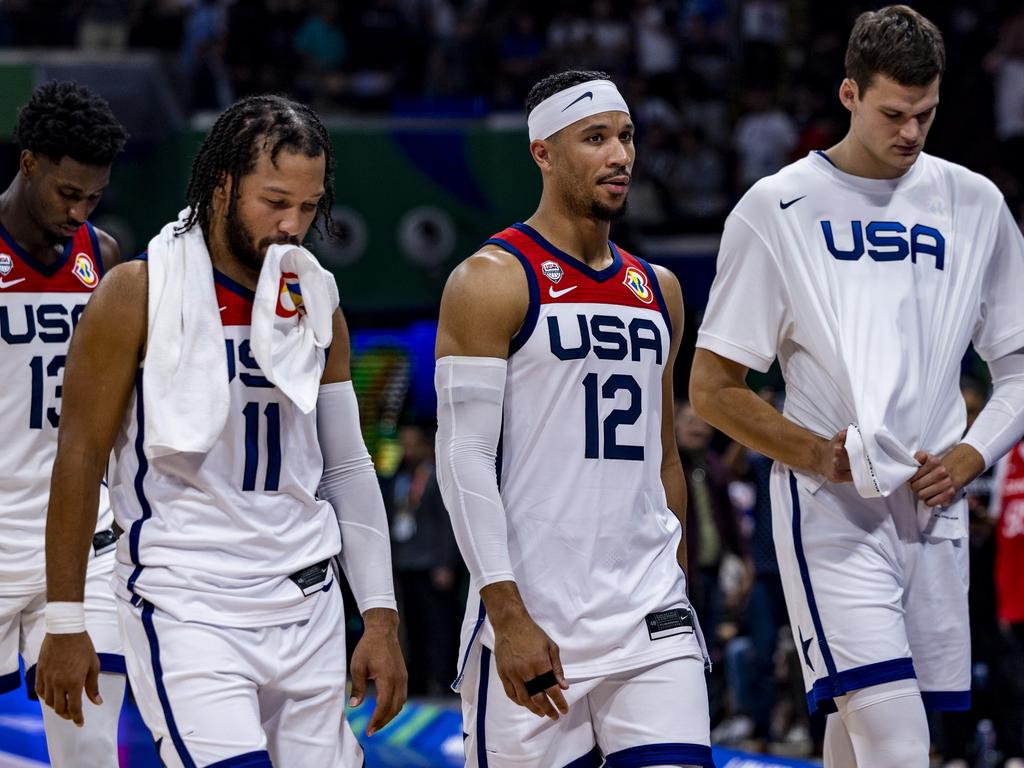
{"x":587,"y":95}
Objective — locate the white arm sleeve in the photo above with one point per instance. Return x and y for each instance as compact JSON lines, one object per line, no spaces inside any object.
{"x":350,"y":485}
{"x":1001,"y":422}
{"x":470,"y":391}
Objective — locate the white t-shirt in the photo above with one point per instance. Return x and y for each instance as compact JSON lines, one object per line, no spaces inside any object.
{"x":869,"y":291}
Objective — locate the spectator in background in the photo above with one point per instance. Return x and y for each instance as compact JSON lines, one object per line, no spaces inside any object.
{"x":713,"y":537}
{"x":765,"y":612}
{"x":321,"y":44}
{"x":1008,"y":506}
{"x":426,"y":560}
{"x":103,"y":25}
{"x":764,"y":138}
{"x":201,"y":61}
{"x":1006,"y":64}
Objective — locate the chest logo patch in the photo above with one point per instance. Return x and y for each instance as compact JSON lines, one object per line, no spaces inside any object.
{"x":6,"y":264}
{"x":289,"y":302}
{"x":85,"y":271}
{"x":636,"y":281}
{"x":552,"y":271}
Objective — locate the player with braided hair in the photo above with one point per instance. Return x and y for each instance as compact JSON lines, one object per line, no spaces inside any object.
{"x":234,"y":495}
{"x":51,"y":259}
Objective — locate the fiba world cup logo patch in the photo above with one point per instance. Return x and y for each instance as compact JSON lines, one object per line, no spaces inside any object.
{"x":6,"y":264}
{"x":85,"y":271}
{"x":636,"y":281}
{"x":289,"y":300}
{"x":552,"y":271}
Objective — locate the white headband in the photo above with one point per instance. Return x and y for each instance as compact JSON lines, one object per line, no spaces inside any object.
{"x":566,"y":107}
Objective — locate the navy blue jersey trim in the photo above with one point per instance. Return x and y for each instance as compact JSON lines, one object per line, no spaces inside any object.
{"x":96,"y":253}
{"x":140,"y":478}
{"x":822,"y":694}
{"x":662,"y":754}
{"x":10,"y":681}
{"x":598,"y":275}
{"x":161,"y":691}
{"x":805,"y":578}
{"x":659,"y":297}
{"x":481,"y":708}
{"x":260,"y":759}
{"x":30,"y":683}
{"x":530,"y":321}
{"x":946,"y":701}
{"x":231,"y":285}
{"x":46,"y":270}
{"x":827,"y":158}
{"x":469,"y":646}
{"x":113,"y":663}
{"x":592,"y":759}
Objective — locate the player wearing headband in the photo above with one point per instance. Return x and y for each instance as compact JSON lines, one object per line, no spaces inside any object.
{"x":579,"y":643}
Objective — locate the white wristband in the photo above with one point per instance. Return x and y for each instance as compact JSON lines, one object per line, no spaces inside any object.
{"x":65,"y":618}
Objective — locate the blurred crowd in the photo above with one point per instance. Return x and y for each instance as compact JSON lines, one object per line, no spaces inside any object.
{"x":723,"y":91}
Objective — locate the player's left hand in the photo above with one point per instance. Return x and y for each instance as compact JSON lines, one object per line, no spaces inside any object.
{"x":939,"y":480}
{"x":378,"y":657}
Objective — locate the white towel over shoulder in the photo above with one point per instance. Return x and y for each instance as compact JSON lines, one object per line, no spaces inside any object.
{"x":185,"y":377}
{"x":292,"y":322}
{"x":186,"y":397}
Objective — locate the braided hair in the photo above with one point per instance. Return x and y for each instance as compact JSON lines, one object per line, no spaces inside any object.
{"x":64,"y":119}
{"x":249,"y":126}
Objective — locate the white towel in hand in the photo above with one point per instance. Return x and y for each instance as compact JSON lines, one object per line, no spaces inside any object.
{"x":292,"y":322}
{"x":880,"y":464}
{"x":185,"y":376}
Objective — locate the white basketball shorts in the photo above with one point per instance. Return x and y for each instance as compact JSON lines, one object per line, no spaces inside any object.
{"x":23,"y":626}
{"x":242,"y":697}
{"x":656,"y":715}
{"x":870,"y":599}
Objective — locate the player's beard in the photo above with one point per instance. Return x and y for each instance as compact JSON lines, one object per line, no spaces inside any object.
{"x":240,"y":240}
{"x":602,"y":212}
{"x":583,"y":203}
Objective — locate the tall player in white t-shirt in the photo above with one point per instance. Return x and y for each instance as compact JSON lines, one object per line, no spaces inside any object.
{"x":579,"y":644}
{"x":232,"y":621}
{"x":867,"y":269}
{"x":51,"y":260}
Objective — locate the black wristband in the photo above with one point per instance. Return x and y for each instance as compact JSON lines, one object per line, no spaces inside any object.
{"x":541,"y":682}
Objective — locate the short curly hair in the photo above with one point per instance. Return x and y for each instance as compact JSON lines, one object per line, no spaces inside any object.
{"x":557,"y":83}
{"x":64,"y":119}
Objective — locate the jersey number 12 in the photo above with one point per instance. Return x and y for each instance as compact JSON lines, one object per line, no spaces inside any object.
{"x":618,"y":417}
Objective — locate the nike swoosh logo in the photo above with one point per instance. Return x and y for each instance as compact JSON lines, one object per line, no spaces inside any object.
{"x":222,"y":309}
{"x":587,"y":95}
{"x":555,"y":294}
{"x":784,"y":206}
{"x":10,"y":283}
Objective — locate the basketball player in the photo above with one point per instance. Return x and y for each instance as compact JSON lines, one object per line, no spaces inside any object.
{"x":51,"y":260}
{"x":579,"y":643}
{"x":867,"y":269}
{"x":233,"y":625}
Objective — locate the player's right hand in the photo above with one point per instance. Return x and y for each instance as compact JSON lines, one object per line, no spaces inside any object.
{"x":522,"y":651}
{"x":834,"y":462}
{"x":67,"y":665}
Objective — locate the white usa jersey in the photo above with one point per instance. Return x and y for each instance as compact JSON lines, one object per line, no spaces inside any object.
{"x":39,"y":308}
{"x":591,"y":539}
{"x":869,"y":292}
{"x":216,"y":537}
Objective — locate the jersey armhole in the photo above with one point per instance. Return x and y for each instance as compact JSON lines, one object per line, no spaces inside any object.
{"x":658,"y":296}
{"x":530,"y":321}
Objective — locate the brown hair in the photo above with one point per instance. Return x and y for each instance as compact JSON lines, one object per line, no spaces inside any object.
{"x":895,"y":41}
